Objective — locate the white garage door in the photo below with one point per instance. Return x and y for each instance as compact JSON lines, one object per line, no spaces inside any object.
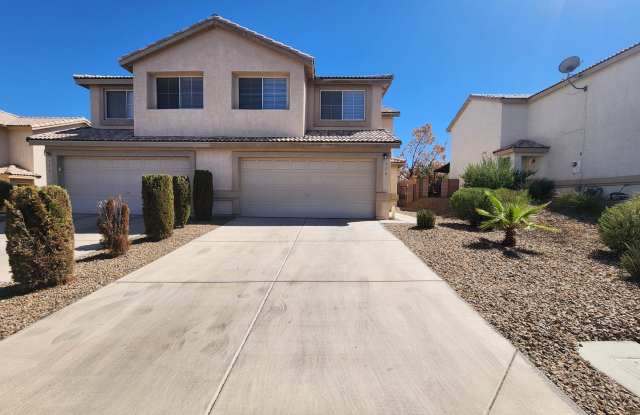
{"x":89,"y":180}
{"x":307,"y":188}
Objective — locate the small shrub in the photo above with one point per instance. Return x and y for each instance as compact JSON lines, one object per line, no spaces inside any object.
{"x":490,"y":173}
{"x":510,"y":217}
{"x":619,"y":225}
{"x":40,"y":235}
{"x":513,"y":196}
{"x":426,"y":219}
{"x":181,"y":200}
{"x":5,"y":190}
{"x":541,"y":189}
{"x":580,"y":202}
{"x":630,"y":260}
{"x":203,"y":194}
{"x":113,"y":225}
{"x":465,"y":201}
{"x":157,"y":205}
{"x":520,"y":178}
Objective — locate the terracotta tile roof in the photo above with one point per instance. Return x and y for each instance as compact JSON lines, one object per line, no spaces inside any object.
{"x":209,"y":22}
{"x":13,"y":170}
{"x":339,"y":77}
{"x":501,"y":96}
{"x":390,"y":112}
{"x":90,"y":76}
{"x":523,"y":144}
{"x":8,"y":119}
{"x":398,"y":160}
{"x":89,"y":134}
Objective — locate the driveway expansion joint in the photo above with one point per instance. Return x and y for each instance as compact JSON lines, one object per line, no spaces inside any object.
{"x":215,"y":397}
{"x":501,"y":383}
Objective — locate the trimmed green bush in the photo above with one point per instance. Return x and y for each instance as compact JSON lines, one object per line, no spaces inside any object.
{"x":630,"y":260}
{"x":541,"y":189}
{"x":580,"y":202}
{"x":490,"y":173}
{"x":518,"y":197}
{"x":619,"y":225}
{"x":5,"y":190}
{"x":203,"y":194}
{"x":40,"y":235}
{"x":113,"y":225}
{"x":181,"y":200}
{"x":466,"y":200}
{"x":426,"y":219}
{"x":157,"y":205}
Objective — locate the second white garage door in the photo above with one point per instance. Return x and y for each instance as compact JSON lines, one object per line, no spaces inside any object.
{"x":318,"y":188}
{"x":89,"y":180}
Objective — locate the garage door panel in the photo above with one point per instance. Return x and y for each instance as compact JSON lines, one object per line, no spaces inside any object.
{"x":308,"y":188}
{"x":89,"y":180}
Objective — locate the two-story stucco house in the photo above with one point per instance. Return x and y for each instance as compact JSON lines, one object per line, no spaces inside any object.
{"x":578,"y":138}
{"x":21,"y":163}
{"x":280,"y":140}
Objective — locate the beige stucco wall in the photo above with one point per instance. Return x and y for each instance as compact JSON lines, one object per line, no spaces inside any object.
{"x":97,"y":102}
{"x":599,"y":129}
{"x":218,"y":53}
{"x":4,"y":146}
{"x":19,"y":151}
{"x":477,"y":132}
{"x":610,"y":142}
{"x":387,"y":123}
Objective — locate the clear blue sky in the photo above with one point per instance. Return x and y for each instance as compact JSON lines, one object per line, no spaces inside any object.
{"x":439,"y":51}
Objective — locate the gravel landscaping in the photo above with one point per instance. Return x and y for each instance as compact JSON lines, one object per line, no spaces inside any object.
{"x":552,"y":292}
{"x":19,"y":309}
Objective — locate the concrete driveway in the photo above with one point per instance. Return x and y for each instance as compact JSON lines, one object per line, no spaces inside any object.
{"x":87,"y":239}
{"x":273,"y":317}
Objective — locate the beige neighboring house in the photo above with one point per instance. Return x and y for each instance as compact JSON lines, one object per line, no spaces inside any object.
{"x":576,"y":138}
{"x":21,"y":163}
{"x":280,"y":140}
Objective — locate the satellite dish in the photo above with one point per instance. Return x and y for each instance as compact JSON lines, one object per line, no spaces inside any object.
{"x":569,"y":64}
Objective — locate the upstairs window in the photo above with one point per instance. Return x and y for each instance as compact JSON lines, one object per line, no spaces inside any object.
{"x":342,"y":105}
{"x":179,"y":92}
{"x":119,"y":104}
{"x":262,"y":93}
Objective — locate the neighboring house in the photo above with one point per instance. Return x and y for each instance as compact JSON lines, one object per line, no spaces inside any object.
{"x":577,"y":138}
{"x":21,"y":163}
{"x":279,"y":139}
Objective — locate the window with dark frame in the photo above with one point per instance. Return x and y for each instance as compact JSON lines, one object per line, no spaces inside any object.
{"x":345,"y":105}
{"x":179,"y":92}
{"x":262,"y":93}
{"x":119,"y":104}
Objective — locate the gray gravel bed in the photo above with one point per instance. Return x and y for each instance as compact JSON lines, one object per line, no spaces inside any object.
{"x":548,"y":295}
{"x":18,"y":310}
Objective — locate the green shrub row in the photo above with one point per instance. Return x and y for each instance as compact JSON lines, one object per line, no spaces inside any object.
{"x":426,"y":219}
{"x":157,"y":206}
{"x":580,"y":202}
{"x":181,"y":200}
{"x":40,"y":235}
{"x":619,"y":225}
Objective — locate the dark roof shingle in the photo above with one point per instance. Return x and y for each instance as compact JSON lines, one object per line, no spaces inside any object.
{"x":126,"y":135}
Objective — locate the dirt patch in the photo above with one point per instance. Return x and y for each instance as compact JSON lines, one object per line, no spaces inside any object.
{"x":20,"y":308}
{"x":552,"y":292}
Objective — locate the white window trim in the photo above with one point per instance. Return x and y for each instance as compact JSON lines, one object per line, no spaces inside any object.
{"x":104,"y":95}
{"x":179,"y":91}
{"x":262,"y":78}
{"x":364,"y":106}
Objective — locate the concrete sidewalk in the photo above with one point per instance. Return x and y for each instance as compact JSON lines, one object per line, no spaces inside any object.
{"x":265,"y":316}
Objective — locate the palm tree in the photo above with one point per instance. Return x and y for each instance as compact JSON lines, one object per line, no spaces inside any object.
{"x":510,"y":217}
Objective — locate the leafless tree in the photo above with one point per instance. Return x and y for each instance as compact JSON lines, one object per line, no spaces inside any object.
{"x":423,"y":153}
